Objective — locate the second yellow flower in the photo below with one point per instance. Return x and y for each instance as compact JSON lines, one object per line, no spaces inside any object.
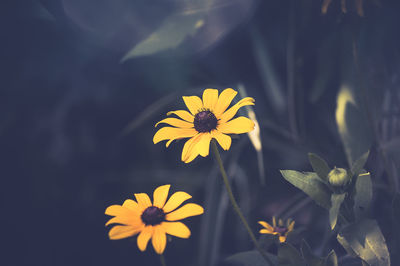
{"x":208,"y":118}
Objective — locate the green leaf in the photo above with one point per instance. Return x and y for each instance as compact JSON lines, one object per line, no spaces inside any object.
{"x":336,"y":201}
{"x":289,"y":256}
{"x":359,"y":164}
{"x":364,"y":239}
{"x":331,"y":259}
{"x":310,"y":184}
{"x":308,"y":256}
{"x":170,"y":35}
{"x":319,"y":165}
{"x":251,"y":258}
{"x":363,"y":195}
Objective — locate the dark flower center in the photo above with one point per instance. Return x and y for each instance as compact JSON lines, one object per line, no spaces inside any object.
{"x":153,"y":215}
{"x":280,"y":230}
{"x":205,"y":121}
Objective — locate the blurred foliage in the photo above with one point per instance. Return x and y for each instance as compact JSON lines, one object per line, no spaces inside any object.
{"x":76,"y":125}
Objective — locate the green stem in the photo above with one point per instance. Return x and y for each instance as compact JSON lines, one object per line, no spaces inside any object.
{"x":162,"y":260}
{"x":234,"y":203}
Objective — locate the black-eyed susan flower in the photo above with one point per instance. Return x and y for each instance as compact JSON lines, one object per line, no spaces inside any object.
{"x":280,"y":229}
{"x":208,"y":119}
{"x":152,"y":220}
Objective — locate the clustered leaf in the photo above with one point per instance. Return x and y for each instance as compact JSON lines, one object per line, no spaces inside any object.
{"x":310,"y":184}
{"x":365,"y":240}
{"x":348,"y":195}
{"x":336,"y":201}
{"x":363,"y":195}
{"x":319,"y":165}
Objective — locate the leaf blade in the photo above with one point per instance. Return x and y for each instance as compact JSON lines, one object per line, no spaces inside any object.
{"x":336,"y":202}
{"x":363,"y":195}
{"x":319,"y":165}
{"x":366,"y":241}
{"x":310,"y":184}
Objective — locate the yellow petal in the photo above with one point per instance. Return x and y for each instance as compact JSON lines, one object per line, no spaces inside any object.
{"x":273,"y":221}
{"x":175,"y":201}
{"x":210,"y":98}
{"x":159,"y":239}
{"x":231,"y":112}
{"x":187,"y":210}
{"x":188,"y":148}
{"x":143,"y":200}
{"x":224,"y":100}
{"x":144,"y":237}
{"x":131,"y":204}
{"x":160,"y":196}
{"x":203,"y":146}
{"x":116,"y":210}
{"x":193,"y":103}
{"x":291,"y":226}
{"x":193,"y":155}
{"x":266,"y":225}
{"x":121,"y":231}
{"x":223,"y":140}
{"x":133,"y":220}
{"x":282,"y":239}
{"x":185,"y":115}
{"x":177,"y":229}
{"x":280,"y":223}
{"x":176,"y":123}
{"x":266,"y":231}
{"x":173,"y":133}
{"x":237,"y":126}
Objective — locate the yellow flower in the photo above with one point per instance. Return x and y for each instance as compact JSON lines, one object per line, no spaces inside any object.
{"x":208,"y":119}
{"x":281,"y":229}
{"x":152,"y":221}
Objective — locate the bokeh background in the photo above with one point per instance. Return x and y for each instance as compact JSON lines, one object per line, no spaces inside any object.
{"x":84,"y":82}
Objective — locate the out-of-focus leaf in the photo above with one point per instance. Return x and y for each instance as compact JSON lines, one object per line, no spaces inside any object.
{"x":352,"y":125}
{"x":170,"y":35}
{"x":254,"y":136}
{"x":271,"y":82}
{"x":392,"y":146}
{"x":309,"y":257}
{"x":148,"y":112}
{"x":325,"y":72}
{"x":289,"y":256}
{"x":336,"y":201}
{"x":319,"y":165}
{"x":363,"y":195}
{"x":364,"y":239}
{"x":331,"y":259}
{"x":251,"y":258}
{"x":359,"y":164}
{"x":310,"y":184}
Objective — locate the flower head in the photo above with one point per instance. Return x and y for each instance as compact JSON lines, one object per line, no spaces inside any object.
{"x":280,"y":229}
{"x":338,"y":177}
{"x":208,"y":119}
{"x":152,"y":220}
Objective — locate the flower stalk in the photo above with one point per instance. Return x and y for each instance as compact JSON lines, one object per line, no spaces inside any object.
{"x":234,"y":203}
{"x":162,"y":260}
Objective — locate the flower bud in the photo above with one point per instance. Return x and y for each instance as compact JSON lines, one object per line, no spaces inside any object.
{"x":338,"y":177}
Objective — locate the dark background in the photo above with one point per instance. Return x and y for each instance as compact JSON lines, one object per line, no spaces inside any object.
{"x":76,"y":123}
